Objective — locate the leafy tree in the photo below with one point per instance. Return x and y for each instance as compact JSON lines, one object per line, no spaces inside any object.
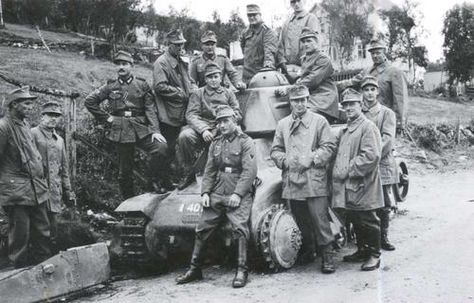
{"x":348,"y":19}
{"x":458,"y":44}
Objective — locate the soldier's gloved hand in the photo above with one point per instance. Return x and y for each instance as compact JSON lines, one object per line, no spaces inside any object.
{"x":283,"y":68}
{"x":110,"y":119}
{"x":241,"y":86}
{"x":207,"y":136}
{"x":205,"y":200}
{"x":281,"y":92}
{"x":234,"y":200}
{"x":158,"y":137}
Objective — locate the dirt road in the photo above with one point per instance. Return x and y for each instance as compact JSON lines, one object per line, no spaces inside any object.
{"x":433,"y":261}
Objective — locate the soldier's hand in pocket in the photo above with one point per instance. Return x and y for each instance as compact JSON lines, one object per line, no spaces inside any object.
{"x":234,"y":200}
{"x":205,"y":200}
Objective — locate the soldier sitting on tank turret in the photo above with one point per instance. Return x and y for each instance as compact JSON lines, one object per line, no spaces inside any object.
{"x":226,"y":193}
{"x":200,"y":116}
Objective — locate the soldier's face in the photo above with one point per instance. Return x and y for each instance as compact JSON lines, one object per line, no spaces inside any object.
{"x":214,"y":80}
{"x":299,"y":105}
{"x":297,"y":5}
{"x":378,"y":56}
{"x":50,"y":120}
{"x":309,"y":44}
{"x":124,"y":68}
{"x":209,"y":48}
{"x":226,"y":125}
{"x":176,"y":49}
{"x":353,"y":110}
{"x":370,"y":93}
{"x":23,"y":108}
{"x":254,"y":18}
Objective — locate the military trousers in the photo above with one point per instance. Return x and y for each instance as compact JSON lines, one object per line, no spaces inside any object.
{"x":157,"y":167}
{"x":219,"y":213}
{"x":367,"y":229}
{"x":384,"y":212}
{"x":28,"y":234}
{"x":312,"y":218}
{"x":190,"y":143}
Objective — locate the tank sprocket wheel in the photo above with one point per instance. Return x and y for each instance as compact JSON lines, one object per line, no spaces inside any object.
{"x":279,"y":238}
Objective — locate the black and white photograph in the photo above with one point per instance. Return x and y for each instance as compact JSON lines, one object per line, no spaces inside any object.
{"x":238,"y":151}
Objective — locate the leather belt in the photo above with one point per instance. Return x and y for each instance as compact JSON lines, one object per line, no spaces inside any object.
{"x":128,"y":113}
{"x":229,"y":170}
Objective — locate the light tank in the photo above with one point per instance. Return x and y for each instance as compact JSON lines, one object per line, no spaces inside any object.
{"x":157,"y":227}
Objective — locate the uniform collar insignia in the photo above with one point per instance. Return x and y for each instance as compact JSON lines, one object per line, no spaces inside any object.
{"x":128,"y":80}
{"x":207,"y":57}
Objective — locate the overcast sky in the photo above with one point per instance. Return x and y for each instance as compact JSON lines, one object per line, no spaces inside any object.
{"x":274,"y":11}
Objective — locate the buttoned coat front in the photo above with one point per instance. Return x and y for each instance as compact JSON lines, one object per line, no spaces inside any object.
{"x":355,"y":175}
{"x":384,"y":118}
{"x":300,"y":140}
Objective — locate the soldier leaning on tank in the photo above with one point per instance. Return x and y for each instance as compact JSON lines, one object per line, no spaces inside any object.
{"x":200,"y":116}
{"x":133,"y":122}
{"x":259,"y":44}
{"x":172,"y":86}
{"x":23,"y":187}
{"x":55,"y":164}
{"x":316,"y":75}
{"x":393,"y":91}
{"x":356,"y":182}
{"x":226,"y":193}
{"x":304,"y":171}
{"x":289,"y":46}
{"x":385,"y":120}
{"x":198,"y":64}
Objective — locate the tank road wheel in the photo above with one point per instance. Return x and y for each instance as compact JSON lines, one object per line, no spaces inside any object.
{"x":279,"y":238}
{"x":400,"y":190}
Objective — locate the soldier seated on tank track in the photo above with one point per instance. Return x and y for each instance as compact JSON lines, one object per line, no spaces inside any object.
{"x":201,"y":119}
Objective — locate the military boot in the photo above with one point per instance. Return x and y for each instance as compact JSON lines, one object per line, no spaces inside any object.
{"x":241,"y":275}
{"x":385,"y":243}
{"x":327,"y":263}
{"x":361,"y":255}
{"x":194,"y":272}
{"x":372,"y":263}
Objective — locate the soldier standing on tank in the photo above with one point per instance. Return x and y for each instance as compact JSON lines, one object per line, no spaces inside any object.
{"x":393,"y":91}
{"x":289,"y":45}
{"x":23,"y":187}
{"x":385,"y":120}
{"x":200,"y":115}
{"x":198,"y":64}
{"x":55,"y":164}
{"x":133,"y":122}
{"x":356,"y":181}
{"x":226,"y":194}
{"x":259,"y":44}
{"x":173,"y":86}
{"x":316,"y":75}
{"x":302,"y":148}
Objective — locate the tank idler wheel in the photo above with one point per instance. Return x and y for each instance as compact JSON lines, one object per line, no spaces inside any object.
{"x":400,"y":190}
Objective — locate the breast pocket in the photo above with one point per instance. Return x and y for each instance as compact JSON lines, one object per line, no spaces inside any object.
{"x":234,"y":158}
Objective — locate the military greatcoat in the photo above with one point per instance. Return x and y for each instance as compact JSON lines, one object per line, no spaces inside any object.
{"x":296,"y":139}
{"x":355,"y":176}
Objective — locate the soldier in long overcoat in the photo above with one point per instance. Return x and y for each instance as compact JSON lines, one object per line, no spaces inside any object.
{"x":226,"y":192}
{"x":200,"y":116}
{"x":356,"y":180}
{"x":198,"y":64}
{"x":393,"y":90}
{"x":23,"y":187}
{"x":316,"y":75}
{"x":384,"y":118}
{"x":55,"y":164}
{"x":302,"y":148}
{"x":259,"y":44}
{"x":132,"y":122}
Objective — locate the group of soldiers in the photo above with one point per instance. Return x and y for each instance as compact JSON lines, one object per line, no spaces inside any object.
{"x":190,"y":111}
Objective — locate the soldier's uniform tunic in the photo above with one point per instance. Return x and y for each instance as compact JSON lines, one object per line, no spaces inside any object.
{"x":231,"y":168}
{"x":198,"y":68}
{"x":135,"y":120}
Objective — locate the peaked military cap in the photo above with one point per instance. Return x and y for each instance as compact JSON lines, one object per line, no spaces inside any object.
{"x":211,"y":68}
{"x":369,"y":80}
{"x":175,"y":36}
{"x":209,"y":36}
{"x":253,"y":9}
{"x":306,"y":32}
{"x":51,"y":107}
{"x":351,"y":95}
{"x":123,"y":56}
{"x":22,"y":93}
{"x":224,"y":111}
{"x":376,"y":44}
{"x":298,"y":91}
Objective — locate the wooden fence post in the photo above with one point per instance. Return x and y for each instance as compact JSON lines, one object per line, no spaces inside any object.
{"x":71,"y":128}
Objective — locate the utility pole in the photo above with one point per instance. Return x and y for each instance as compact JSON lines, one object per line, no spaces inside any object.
{"x":2,"y":25}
